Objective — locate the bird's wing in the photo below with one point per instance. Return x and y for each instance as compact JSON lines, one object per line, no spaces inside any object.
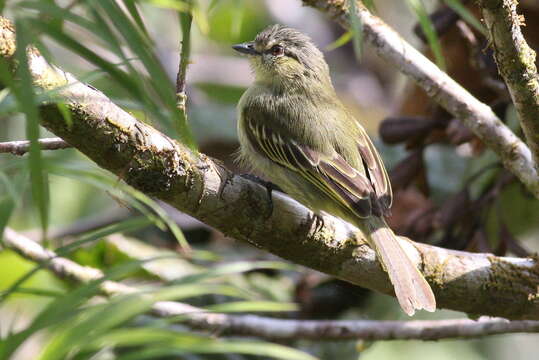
{"x":329,"y":173}
{"x":376,"y":170}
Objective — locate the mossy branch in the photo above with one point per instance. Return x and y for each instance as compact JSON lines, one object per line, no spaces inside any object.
{"x":163,"y":168}
{"x":516,"y":64}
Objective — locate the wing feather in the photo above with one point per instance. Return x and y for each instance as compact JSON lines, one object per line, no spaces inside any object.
{"x":330,"y":174}
{"x":376,"y":170}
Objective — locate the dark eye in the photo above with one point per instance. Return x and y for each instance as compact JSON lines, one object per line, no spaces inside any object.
{"x":277,"y":50}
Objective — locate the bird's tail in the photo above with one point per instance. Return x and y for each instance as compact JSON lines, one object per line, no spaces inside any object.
{"x":412,"y":290}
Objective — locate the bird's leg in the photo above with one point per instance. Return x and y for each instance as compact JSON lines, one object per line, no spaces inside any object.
{"x":317,"y":220}
{"x":269,"y":189}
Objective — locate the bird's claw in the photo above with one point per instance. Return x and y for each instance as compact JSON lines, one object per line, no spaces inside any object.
{"x":269,"y":189}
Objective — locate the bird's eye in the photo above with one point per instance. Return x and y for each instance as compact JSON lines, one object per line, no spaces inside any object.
{"x":277,"y":50}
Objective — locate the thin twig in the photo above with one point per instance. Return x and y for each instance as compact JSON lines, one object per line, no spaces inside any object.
{"x":186,"y":19}
{"x":270,"y":328}
{"x":477,"y":116}
{"x":22,"y":147}
{"x":516,"y":64}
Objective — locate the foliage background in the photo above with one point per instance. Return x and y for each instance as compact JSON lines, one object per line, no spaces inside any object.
{"x":130,"y":227}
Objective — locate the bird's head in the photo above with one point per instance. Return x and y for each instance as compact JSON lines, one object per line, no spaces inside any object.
{"x":285,"y":55}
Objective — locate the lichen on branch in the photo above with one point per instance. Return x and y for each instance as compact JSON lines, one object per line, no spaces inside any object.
{"x":516,"y":64}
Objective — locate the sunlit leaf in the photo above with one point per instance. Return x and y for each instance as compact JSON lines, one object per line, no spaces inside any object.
{"x":342,"y":40}
{"x":170,"y":4}
{"x":253,"y":306}
{"x":61,"y":309}
{"x":200,"y":17}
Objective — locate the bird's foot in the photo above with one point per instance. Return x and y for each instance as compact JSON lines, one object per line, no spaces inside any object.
{"x":316,"y":222}
{"x":269,"y":189}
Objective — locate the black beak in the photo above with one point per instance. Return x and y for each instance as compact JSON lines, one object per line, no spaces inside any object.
{"x":245,"y":48}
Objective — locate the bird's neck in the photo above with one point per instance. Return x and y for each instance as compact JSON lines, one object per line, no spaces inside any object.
{"x":300,"y":84}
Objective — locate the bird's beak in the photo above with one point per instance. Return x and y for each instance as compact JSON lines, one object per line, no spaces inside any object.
{"x":246,"y":48}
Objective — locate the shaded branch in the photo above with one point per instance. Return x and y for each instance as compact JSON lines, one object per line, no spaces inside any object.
{"x":477,"y":116}
{"x":161,"y":167}
{"x":22,"y":147}
{"x":516,"y":64}
{"x":270,"y":328}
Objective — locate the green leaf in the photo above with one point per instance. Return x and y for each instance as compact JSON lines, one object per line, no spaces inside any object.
{"x":128,"y":225}
{"x":159,"y":80}
{"x":135,"y":198}
{"x":61,"y":309}
{"x":51,"y":10}
{"x":253,"y":306}
{"x":24,"y":93}
{"x":100,"y":319}
{"x":234,"y":268}
{"x":168,"y":343}
{"x":8,"y":201}
{"x":131,"y":6}
{"x":66,"y":114}
{"x":200,"y":17}
{"x":39,"y":292}
{"x":341,"y":41}
{"x":420,"y":12}
{"x":466,"y":14}
{"x":170,"y":4}
{"x":70,"y":43}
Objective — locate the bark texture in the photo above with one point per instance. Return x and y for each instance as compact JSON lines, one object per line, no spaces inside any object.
{"x":516,"y":64}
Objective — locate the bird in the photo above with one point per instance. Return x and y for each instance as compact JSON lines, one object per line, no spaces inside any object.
{"x":293,"y":129}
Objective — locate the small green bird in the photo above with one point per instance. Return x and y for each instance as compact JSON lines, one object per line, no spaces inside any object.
{"x":294,"y":130}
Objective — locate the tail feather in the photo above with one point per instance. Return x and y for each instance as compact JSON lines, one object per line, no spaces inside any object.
{"x":412,"y":290}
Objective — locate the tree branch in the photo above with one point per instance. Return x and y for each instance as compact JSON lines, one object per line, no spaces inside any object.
{"x":22,"y":147}
{"x":516,"y":64}
{"x":479,"y":117}
{"x":158,"y":166}
{"x":270,"y":328}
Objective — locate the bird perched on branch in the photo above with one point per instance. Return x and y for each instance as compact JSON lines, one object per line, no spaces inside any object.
{"x":293,"y":128}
